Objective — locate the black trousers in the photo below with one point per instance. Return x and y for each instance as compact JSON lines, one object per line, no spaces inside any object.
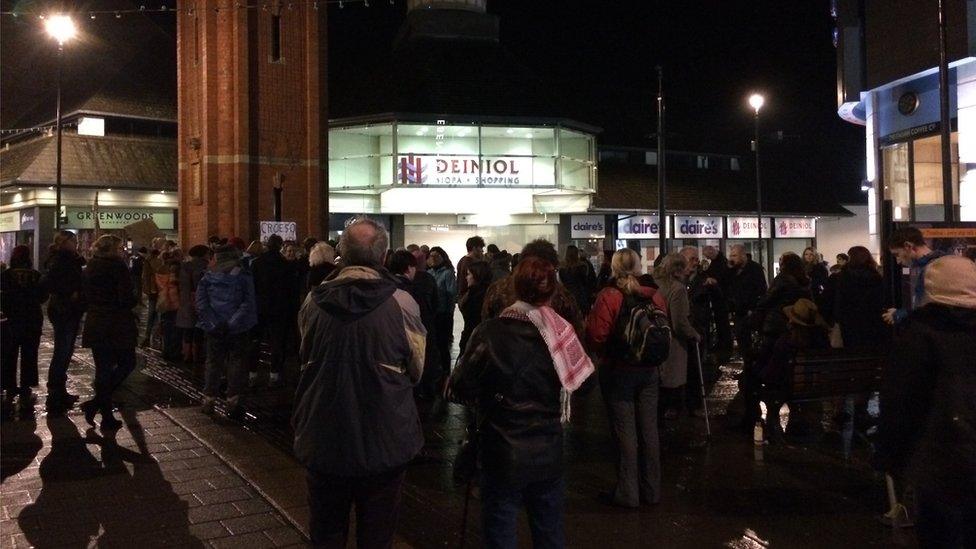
{"x":274,"y":331}
{"x":444,"y":323}
{"x":112,"y":366}
{"x":18,"y":342}
{"x":377,"y":501}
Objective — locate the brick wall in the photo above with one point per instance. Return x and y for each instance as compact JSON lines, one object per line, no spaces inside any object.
{"x":245,"y":120}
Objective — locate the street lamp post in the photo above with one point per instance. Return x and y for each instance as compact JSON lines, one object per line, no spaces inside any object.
{"x":756,"y":101}
{"x":62,"y":29}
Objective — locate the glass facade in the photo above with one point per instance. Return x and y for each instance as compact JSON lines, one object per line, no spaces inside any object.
{"x":912,"y":178}
{"x":375,"y":157}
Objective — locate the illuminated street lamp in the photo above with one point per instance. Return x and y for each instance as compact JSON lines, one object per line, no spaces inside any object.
{"x":756,"y":101}
{"x":61,"y":28}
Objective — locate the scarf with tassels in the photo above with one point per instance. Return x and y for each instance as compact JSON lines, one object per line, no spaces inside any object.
{"x":572,"y":364}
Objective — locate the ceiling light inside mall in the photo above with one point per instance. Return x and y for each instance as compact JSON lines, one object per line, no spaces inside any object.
{"x":60,"y":27}
{"x":529,"y":135}
{"x":510,"y":131}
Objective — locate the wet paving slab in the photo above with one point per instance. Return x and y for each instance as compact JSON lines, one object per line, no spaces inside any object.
{"x":718,"y":491}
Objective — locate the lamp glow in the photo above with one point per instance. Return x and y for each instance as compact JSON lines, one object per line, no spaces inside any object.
{"x":60,"y":27}
{"x":756,"y":101}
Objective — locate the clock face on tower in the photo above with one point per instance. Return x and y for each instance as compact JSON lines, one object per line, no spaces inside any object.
{"x":908,"y":103}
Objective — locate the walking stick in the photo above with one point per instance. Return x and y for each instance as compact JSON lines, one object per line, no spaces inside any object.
{"x":701,"y":376}
{"x":897,"y":514}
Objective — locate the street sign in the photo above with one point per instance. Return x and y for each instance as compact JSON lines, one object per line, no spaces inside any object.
{"x":287,"y":230}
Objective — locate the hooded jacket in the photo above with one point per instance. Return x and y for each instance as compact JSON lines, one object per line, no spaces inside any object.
{"x":917,"y":277}
{"x":928,"y":412}
{"x":225,"y":301}
{"x":362,"y":351}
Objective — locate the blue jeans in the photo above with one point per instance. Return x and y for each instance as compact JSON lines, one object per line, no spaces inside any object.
{"x":543,"y":502}
{"x":65,"y":333}
{"x":112,"y":366}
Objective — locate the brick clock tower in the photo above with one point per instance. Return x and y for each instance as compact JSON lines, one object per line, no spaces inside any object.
{"x":253,"y":117}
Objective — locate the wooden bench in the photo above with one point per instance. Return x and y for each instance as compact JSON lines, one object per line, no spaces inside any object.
{"x":833,"y":373}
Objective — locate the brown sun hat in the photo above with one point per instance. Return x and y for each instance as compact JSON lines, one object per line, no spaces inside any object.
{"x":804,"y":312}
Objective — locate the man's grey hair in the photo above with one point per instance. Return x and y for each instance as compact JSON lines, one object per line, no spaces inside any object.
{"x":321,"y":254}
{"x":689,"y":251}
{"x":740,"y":247}
{"x":364,"y":242}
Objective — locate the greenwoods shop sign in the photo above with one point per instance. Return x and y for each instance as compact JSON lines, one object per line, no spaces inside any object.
{"x":117,"y":218}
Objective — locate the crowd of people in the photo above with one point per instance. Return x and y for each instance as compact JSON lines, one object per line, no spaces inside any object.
{"x":370,"y":332}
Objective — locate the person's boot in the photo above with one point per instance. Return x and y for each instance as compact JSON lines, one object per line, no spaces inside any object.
{"x":208,"y":404}
{"x":110,"y":423}
{"x":234,"y":408}
{"x":90,"y":408}
{"x":26,"y":400}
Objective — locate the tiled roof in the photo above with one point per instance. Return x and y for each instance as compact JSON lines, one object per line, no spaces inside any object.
{"x":633,"y":187}
{"x":122,"y":162}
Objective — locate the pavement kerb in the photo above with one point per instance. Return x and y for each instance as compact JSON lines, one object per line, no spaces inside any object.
{"x":298,"y":525}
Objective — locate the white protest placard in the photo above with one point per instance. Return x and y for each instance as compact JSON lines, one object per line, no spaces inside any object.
{"x":287,"y":230}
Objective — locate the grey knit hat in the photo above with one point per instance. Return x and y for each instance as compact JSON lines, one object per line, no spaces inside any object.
{"x":227,"y":257}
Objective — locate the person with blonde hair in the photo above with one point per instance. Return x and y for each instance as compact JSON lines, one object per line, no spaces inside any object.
{"x":671,"y":277}
{"x":110,"y":326}
{"x":629,"y":391}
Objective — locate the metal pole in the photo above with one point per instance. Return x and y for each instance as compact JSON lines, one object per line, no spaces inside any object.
{"x":759,"y":196}
{"x":947,"y":200}
{"x":277,"y":203}
{"x":57,"y":170}
{"x":661,"y":183}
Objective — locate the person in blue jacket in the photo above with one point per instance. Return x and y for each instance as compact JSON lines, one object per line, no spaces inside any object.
{"x":227,"y":310}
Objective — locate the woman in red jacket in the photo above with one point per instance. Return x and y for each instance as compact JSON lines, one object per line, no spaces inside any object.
{"x":630,"y":392}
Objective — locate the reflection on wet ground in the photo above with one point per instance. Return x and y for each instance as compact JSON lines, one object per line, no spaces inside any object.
{"x":717,"y":491}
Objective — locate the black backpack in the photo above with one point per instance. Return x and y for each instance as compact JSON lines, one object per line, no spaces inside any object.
{"x":642,"y":333}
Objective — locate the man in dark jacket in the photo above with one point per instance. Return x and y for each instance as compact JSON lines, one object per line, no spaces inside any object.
{"x":274,"y":287}
{"x":64,"y":310}
{"x":928,"y":412}
{"x":355,"y":420}
{"x":746,"y":287}
{"x":910,"y":250}
{"x":423,"y":288}
{"x":718,"y":277}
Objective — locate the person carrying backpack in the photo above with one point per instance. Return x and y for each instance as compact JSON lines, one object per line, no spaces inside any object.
{"x":627,"y":331}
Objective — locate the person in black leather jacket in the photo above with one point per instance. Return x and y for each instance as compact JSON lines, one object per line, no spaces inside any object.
{"x":64,"y":310}
{"x":508,"y":371}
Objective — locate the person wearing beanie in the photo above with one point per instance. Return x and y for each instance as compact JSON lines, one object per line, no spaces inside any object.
{"x":226,"y":312}
{"x":927,"y":430}
{"x":23,"y":293}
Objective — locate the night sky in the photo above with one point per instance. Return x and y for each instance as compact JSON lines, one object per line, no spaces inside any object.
{"x":601,"y":57}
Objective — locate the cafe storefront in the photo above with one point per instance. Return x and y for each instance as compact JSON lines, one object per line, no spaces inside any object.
{"x":441,"y":181}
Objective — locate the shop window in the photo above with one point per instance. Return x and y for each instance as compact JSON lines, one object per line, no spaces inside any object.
{"x":896,"y":182}
{"x":437,"y":139}
{"x":361,"y":156}
{"x":927,"y":166}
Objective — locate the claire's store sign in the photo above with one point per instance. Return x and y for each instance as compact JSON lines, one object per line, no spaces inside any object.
{"x":466,"y":171}
{"x":587,"y":226}
{"x":745,"y":227}
{"x":117,"y":218}
{"x":635,"y":227}
{"x":698,"y":227}
{"x":799,"y":227}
